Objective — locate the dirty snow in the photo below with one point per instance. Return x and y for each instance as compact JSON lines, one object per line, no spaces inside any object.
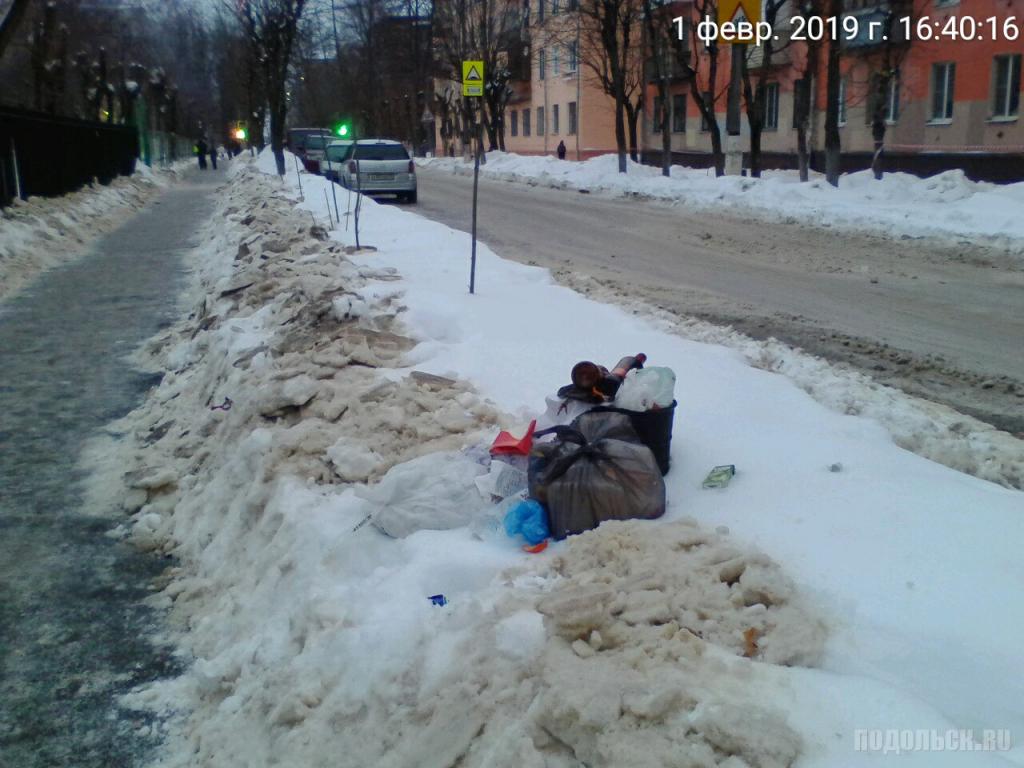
{"x":948,"y":205}
{"x":758,"y":625}
{"x":44,"y":232}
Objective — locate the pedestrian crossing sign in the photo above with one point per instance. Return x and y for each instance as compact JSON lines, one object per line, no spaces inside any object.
{"x":472,"y":78}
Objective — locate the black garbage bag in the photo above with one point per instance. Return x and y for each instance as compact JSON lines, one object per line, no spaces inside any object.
{"x":596,"y":469}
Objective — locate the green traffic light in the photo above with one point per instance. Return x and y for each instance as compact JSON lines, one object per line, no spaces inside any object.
{"x":342,"y":130}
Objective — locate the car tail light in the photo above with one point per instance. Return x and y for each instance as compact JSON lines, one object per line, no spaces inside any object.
{"x":352,"y":166}
{"x":412,"y":167}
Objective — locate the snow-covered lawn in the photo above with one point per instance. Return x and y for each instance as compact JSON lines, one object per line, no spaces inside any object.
{"x":43,"y":232}
{"x":947,"y":205}
{"x":885,"y":595}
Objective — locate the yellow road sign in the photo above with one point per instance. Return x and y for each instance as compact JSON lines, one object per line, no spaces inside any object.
{"x":472,"y":78}
{"x":738,"y":11}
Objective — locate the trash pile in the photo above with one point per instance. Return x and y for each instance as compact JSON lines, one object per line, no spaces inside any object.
{"x":601,"y":455}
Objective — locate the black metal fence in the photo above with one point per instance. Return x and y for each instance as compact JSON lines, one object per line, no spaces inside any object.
{"x":45,"y":155}
{"x":1001,"y":168}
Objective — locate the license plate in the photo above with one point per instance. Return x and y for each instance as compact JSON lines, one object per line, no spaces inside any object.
{"x":382,"y":177}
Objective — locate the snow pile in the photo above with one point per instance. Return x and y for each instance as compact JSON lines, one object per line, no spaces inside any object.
{"x":947,"y":205}
{"x":313,"y":637}
{"x":309,"y":371}
{"x":43,"y":232}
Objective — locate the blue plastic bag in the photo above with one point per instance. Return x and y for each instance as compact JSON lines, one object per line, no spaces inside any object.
{"x":530,"y":519}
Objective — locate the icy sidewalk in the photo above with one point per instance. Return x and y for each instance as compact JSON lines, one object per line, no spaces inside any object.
{"x":947,"y":206}
{"x":40,"y":233}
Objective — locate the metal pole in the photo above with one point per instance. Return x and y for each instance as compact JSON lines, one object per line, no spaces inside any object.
{"x":476,"y":181}
{"x":359,"y":182}
{"x":17,"y":173}
{"x":297,"y":176}
{"x":330,"y":170}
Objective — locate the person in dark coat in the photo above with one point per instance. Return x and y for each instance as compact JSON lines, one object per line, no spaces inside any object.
{"x":561,"y":150}
{"x":201,"y":152}
{"x":213,"y":156}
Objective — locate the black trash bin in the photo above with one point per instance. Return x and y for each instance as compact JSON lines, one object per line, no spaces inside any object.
{"x":654,"y":428}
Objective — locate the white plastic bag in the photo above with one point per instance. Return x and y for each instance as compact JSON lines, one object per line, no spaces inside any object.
{"x":647,"y":388}
{"x":436,"y":492}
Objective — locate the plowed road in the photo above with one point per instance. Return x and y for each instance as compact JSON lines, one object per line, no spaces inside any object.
{"x":943,"y":321}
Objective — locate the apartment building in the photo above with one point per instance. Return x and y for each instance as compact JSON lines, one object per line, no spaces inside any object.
{"x":561,"y":100}
{"x":949,"y":97}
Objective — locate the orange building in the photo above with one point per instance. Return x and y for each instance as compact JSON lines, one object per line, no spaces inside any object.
{"x":954,"y":100}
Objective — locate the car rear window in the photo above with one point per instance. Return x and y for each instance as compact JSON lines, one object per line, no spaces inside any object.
{"x":338,"y":154}
{"x":381,"y":152}
{"x":317,"y":142}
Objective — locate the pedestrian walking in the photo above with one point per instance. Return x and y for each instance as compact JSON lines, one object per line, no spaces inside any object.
{"x":201,"y":152}
{"x":213,"y":156}
{"x":561,"y":150}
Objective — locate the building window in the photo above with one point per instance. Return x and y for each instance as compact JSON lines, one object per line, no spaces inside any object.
{"x":572,"y":54}
{"x":943,"y":78}
{"x":514,"y":125}
{"x":540,"y":121}
{"x":892,"y":101}
{"x":526,"y":122}
{"x":572,"y":118}
{"x":842,"y":101}
{"x":554,"y":7}
{"x":705,"y":125}
{"x":554,"y":119}
{"x":542,"y":60}
{"x":572,"y":5}
{"x":556,"y":61}
{"x":679,"y":113}
{"x":540,"y":10}
{"x":771,"y":106}
{"x":1006,"y":85}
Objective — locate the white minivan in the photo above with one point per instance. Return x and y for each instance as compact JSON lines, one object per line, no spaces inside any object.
{"x":380,"y":167}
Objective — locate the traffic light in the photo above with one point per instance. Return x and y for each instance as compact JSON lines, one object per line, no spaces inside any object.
{"x":240,"y":131}
{"x":342,"y":130}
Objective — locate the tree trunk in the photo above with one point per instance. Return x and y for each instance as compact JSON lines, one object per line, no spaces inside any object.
{"x":832,"y":140}
{"x":632,"y":117}
{"x":878,"y":123}
{"x":716,"y":134}
{"x":802,"y":97}
{"x":666,"y":134}
{"x":620,"y":130}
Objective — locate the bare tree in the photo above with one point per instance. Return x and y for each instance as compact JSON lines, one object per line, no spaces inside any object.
{"x":491,"y":31}
{"x":271,"y":26}
{"x":757,"y":69}
{"x":876,"y":58}
{"x":611,"y":48}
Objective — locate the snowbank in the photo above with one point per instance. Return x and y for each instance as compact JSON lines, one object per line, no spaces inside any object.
{"x":641,"y":644}
{"x":947,"y":205}
{"x":43,"y":232}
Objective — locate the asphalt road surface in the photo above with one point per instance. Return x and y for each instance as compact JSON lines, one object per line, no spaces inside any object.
{"x":943,"y":321}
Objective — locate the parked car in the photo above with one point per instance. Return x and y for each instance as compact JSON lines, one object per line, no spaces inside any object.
{"x":298,"y":138}
{"x":316,"y":148}
{"x":337,"y":155}
{"x":380,"y":167}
